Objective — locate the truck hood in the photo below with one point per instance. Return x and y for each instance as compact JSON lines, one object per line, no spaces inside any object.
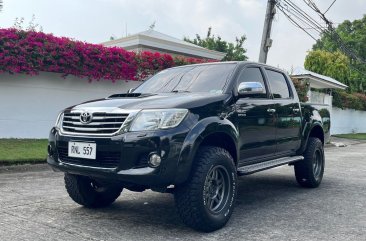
{"x":135,"y":101}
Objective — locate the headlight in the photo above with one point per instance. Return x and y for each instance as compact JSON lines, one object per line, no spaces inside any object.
{"x":59,"y":120}
{"x":158,"y":119}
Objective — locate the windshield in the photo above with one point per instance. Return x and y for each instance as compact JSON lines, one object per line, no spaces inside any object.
{"x":200,"y":78}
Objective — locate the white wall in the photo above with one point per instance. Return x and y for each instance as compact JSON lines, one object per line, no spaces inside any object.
{"x":320,"y":98}
{"x":347,"y":121}
{"x":29,"y":104}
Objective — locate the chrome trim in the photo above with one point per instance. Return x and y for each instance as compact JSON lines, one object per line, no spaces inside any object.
{"x":250,"y":88}
{"x":81,"y":166}
{"x":94,"y":117}
{"x":128,"y":115}
{"x":93,"y":123}
{"x":92,"y":129}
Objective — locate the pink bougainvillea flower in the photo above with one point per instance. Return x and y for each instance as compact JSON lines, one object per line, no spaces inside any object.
{"x":30,"y":52}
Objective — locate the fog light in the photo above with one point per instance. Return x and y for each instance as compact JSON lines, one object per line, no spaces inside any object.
{"x":50,"y":150}
{"x":154,"y":160}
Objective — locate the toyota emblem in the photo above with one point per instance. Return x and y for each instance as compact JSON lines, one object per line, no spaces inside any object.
{"x":86,"y":117}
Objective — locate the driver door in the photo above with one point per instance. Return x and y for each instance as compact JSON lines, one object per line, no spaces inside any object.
{"x":256,"y":120}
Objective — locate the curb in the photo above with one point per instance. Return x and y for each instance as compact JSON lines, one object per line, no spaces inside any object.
{"x":25,"y":168}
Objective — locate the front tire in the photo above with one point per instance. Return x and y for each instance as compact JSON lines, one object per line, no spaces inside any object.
{"x":89,"y":192}
{"x":309,"y":172}
{"x":206,"y":201}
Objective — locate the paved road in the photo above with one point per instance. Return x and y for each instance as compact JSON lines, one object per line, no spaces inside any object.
{"x":270,"y":206}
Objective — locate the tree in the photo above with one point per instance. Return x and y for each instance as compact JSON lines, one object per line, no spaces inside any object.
{"x":334,"y":65}
{"x":353,"y":34}
{"x":234,"y":51}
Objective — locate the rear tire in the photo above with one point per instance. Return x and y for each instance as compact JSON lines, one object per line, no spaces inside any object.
{"x":309,"y":172}
{"x":90,"y":193}
{"x":206,"y":201}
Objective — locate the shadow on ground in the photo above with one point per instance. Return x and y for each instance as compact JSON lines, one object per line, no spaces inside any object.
{"x":256,"y":194}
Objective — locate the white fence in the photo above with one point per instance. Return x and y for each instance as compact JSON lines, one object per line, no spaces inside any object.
{"x":347,"y":121}
{"x":29,"y":104}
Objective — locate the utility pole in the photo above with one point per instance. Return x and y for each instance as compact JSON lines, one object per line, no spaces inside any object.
{"x":266,"y":35}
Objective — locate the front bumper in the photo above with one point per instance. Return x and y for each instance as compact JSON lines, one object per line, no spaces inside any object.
{"x":122,"y":158}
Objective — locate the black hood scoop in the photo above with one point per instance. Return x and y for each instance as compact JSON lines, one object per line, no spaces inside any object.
{"x":130,"y":95}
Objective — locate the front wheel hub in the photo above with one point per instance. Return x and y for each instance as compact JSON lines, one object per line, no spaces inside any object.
{"x":216,"y":189}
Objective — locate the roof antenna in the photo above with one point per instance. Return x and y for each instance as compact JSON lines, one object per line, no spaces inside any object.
{"x":152,"y":26}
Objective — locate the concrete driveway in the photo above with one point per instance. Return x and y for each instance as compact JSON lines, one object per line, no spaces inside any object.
{"x":270,"y":206}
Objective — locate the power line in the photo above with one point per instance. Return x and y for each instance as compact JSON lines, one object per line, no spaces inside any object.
{"x":318,"y":29}
{"x":305,"y":21}
{"x":294,"y":22}
{"x":315,"y":28}
{"x":329,"y":7}
{"x":332,"y":33}
{"x":302,"y":13}
{"x":312,"y":5}
{"x":291,"y":11}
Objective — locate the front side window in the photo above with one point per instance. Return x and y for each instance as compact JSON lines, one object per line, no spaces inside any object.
{"x":278,"y":84}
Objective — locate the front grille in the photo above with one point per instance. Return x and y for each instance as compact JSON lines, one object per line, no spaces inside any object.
{"x":101,"y":123}
{"x":105,"y":159}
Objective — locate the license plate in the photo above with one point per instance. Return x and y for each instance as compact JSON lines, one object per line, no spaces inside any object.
{"x":82,"y":150}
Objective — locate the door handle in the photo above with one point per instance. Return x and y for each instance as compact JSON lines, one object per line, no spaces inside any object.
{"x":271,"y":110}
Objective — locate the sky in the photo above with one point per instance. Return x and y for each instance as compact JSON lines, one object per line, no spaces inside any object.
{"x":95,"y":21}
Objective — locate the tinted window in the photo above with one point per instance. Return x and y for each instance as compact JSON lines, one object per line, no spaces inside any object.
{"x":253,"y":75}
{"x":278,"y":85}
{"x":200,"y":78}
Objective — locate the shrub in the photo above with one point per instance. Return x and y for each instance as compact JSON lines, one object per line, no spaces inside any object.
{"x":344,"y":100}
{"x":301,"y":89}
{"x":362,"y":99}
{"x":30,"y":52}
{"x":180,"y":60}
{"x":150,"y":63}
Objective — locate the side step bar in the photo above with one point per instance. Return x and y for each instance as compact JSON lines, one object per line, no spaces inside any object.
{"x":246,"y":170}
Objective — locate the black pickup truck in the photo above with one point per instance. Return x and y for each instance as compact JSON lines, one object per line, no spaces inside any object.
{"x":190,"y":131}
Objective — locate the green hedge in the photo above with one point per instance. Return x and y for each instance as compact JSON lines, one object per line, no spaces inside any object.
{"x":344,"y":100}
{"x":341,"y":98}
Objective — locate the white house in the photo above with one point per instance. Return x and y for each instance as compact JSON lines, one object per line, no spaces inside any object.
{"x":342,"y":121}
{"x":317,"y":81}
{"x":155,"y":41}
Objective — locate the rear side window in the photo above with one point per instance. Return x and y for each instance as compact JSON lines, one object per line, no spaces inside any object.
{"x":278,"y":84}
{"x":253,"y":74}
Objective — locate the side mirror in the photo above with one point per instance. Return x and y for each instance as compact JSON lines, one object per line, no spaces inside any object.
{"x":250,"y":88}
{"x":130,"y":90}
